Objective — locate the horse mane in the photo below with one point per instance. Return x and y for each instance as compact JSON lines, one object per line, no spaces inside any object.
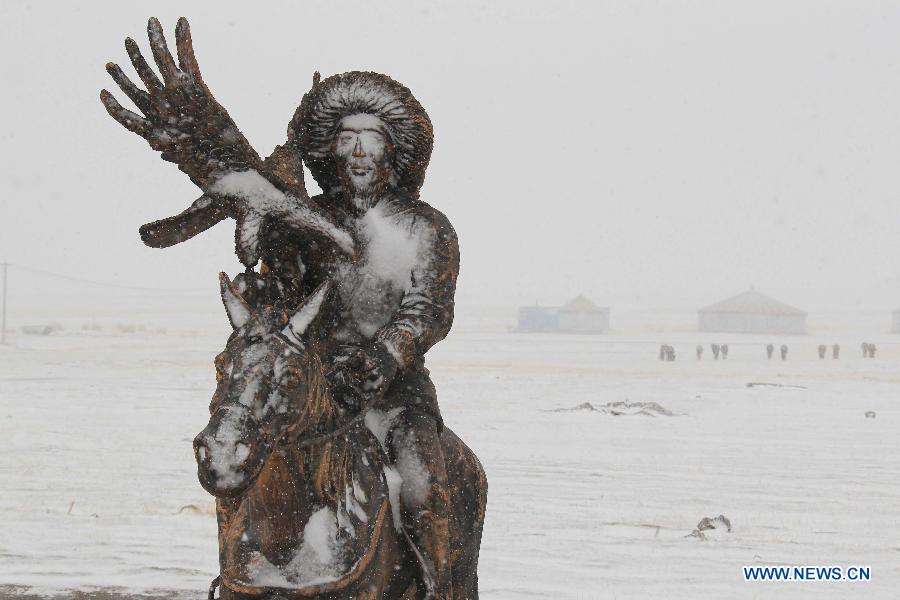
{"x":329,"y":462}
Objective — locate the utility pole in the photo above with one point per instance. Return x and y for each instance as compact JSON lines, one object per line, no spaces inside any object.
{"x":3,"y":319}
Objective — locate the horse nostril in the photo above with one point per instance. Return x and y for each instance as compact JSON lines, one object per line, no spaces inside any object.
{"x":241,"y":452}
{"x":201,"y":449}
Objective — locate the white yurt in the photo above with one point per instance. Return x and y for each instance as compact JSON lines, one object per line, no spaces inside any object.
{"x":751,"y":312}
{"x":581,"y":315}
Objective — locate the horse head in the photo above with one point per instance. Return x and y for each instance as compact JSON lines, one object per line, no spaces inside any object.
{"x":266,"y":387}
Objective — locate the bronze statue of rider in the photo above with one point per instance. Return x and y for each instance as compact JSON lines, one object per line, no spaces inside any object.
{"x":394,"y":259}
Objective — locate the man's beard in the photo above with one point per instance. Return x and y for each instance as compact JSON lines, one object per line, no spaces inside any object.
{"x":364,"y":196}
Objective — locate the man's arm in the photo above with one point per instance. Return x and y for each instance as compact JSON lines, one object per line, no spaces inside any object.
{"x":180,"y":118}
{"x":426,"y":311}
{"x":423,"y":319}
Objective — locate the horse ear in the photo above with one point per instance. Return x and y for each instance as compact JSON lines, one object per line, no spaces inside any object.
{"x":237,"y":309}
{"x":310,"y":308}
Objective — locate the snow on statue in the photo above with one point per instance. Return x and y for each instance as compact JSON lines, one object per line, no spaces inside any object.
{"x":334,"y":474}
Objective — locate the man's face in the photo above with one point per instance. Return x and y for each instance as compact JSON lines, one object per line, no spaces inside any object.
{"x":362,"y":151}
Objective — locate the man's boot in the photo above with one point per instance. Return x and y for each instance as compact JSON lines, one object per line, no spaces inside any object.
{"x":431,"y":536}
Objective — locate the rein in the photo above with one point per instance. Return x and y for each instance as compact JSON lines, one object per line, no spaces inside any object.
{"x":290,"y":436}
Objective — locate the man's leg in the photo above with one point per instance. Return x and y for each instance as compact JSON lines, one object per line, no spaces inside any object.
{"x":424,"y":497}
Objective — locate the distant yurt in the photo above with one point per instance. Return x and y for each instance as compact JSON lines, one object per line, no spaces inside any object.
{"x":751,"y":312}
{"x":538,"y":318}
{"x":582,"y":315}
{"x":896,"y":326}
{"x":578,"y":316}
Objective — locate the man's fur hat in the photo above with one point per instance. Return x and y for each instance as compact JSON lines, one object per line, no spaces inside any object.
{"x":316,"y":120}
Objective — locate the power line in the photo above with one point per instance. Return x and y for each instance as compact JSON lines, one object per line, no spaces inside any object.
{"x":45,"y":273}
{"x":104,"y":284}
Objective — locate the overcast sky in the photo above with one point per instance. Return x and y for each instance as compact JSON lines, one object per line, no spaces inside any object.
{"x":643,"y":153}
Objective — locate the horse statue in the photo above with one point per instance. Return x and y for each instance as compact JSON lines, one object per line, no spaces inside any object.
{"x":308,"y":500}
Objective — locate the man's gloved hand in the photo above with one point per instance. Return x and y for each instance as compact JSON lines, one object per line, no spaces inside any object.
{"x":362,"y":375}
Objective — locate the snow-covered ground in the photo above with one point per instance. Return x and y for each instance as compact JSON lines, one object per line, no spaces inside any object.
{"x":99,"y":487}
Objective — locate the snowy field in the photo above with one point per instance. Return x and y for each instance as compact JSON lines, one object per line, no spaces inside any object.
{"x":99,"y":485}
